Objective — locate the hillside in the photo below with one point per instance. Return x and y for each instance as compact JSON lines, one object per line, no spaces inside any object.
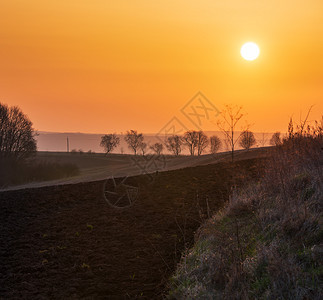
{"x":267,"y":243}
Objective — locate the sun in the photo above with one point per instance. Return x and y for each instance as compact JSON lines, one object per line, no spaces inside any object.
{"x":250,"y":51}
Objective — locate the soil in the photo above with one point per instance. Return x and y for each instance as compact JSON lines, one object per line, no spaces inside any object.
{"x":66,"y":242}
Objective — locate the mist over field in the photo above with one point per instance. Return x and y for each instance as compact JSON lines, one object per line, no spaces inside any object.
{"x":56,"y":141}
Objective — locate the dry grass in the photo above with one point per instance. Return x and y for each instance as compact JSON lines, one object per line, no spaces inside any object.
{"x":267,"y":242}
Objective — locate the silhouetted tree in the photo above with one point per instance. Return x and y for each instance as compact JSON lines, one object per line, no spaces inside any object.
{"x":17,"y":136}
{"x":275,"y":139}
{"x":109,"y":142}
{"x":202,"y":142}
{"x":264,"y":139}
{"x":174,"y":144}
{"x":226,"y":144}
{"x":157,"y":148}
{"x":134,"y":140}
{"x":215,"y":144}
{"x":230,"y":117}
{"x":143,"y":148}
{"x":190,"y":141}
{"x":247,"y":139}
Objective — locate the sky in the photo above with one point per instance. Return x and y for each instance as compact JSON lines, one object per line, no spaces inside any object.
{"x":100,"y":66}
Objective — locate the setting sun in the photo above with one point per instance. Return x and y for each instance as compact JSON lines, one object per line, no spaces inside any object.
{"x":99,"y":65}
{"x":250,"y":51}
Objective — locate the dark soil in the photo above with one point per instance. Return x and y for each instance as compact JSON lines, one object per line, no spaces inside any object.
{"x":66,"y":242}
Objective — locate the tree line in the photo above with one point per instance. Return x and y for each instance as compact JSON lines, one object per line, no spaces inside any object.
{"x":196,"y":142}
{"x":17,"y":137}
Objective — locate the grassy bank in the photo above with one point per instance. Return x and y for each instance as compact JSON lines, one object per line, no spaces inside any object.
{"x":266,"y":243}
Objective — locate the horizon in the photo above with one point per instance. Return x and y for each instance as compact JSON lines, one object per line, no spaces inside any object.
{"x":144,"y":133}
{"x":56,"y":141}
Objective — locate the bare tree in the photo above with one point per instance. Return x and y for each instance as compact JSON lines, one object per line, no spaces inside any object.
{"x":109,"y":142}
{"x":275,"y":139}
{"x":264,"y":139}
{"x":230,"y":117}
{"x":143,"y":148}
{"x":226,"y":144}
{"x":190,"y":141}
{"x":247,"y":139}
{"x":215,"y":144}
{"x":157,"y":148}
{"x":202,"y":142}
{"x":174,"y":144}
{"x":17,"y":136}
{"x":134,"y":140}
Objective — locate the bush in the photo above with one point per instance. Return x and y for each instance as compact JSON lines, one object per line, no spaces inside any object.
{"x":247,"y":139}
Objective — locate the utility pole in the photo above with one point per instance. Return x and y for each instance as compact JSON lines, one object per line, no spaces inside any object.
{"x":67,"y":145}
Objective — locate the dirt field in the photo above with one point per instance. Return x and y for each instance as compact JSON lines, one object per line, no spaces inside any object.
{"x":66,"y":242}
{"x":94,"y":167}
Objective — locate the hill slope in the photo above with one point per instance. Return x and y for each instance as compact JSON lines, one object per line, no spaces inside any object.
{"x":267,"y":243}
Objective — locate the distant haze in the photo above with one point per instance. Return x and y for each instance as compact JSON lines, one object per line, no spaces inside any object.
{"x":55,"y":141}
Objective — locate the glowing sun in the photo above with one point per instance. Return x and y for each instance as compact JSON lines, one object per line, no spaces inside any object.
{"x":250,"y":51}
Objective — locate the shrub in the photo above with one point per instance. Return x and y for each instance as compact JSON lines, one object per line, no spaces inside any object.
{"x":247,"y":139}
{"x":275,"y":139}
{"x":215,"y":144}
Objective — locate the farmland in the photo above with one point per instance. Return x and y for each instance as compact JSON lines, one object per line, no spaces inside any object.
{"x":64,"y":241}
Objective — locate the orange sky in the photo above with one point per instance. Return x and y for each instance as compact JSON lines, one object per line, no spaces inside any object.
{"x":105,"y":66}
